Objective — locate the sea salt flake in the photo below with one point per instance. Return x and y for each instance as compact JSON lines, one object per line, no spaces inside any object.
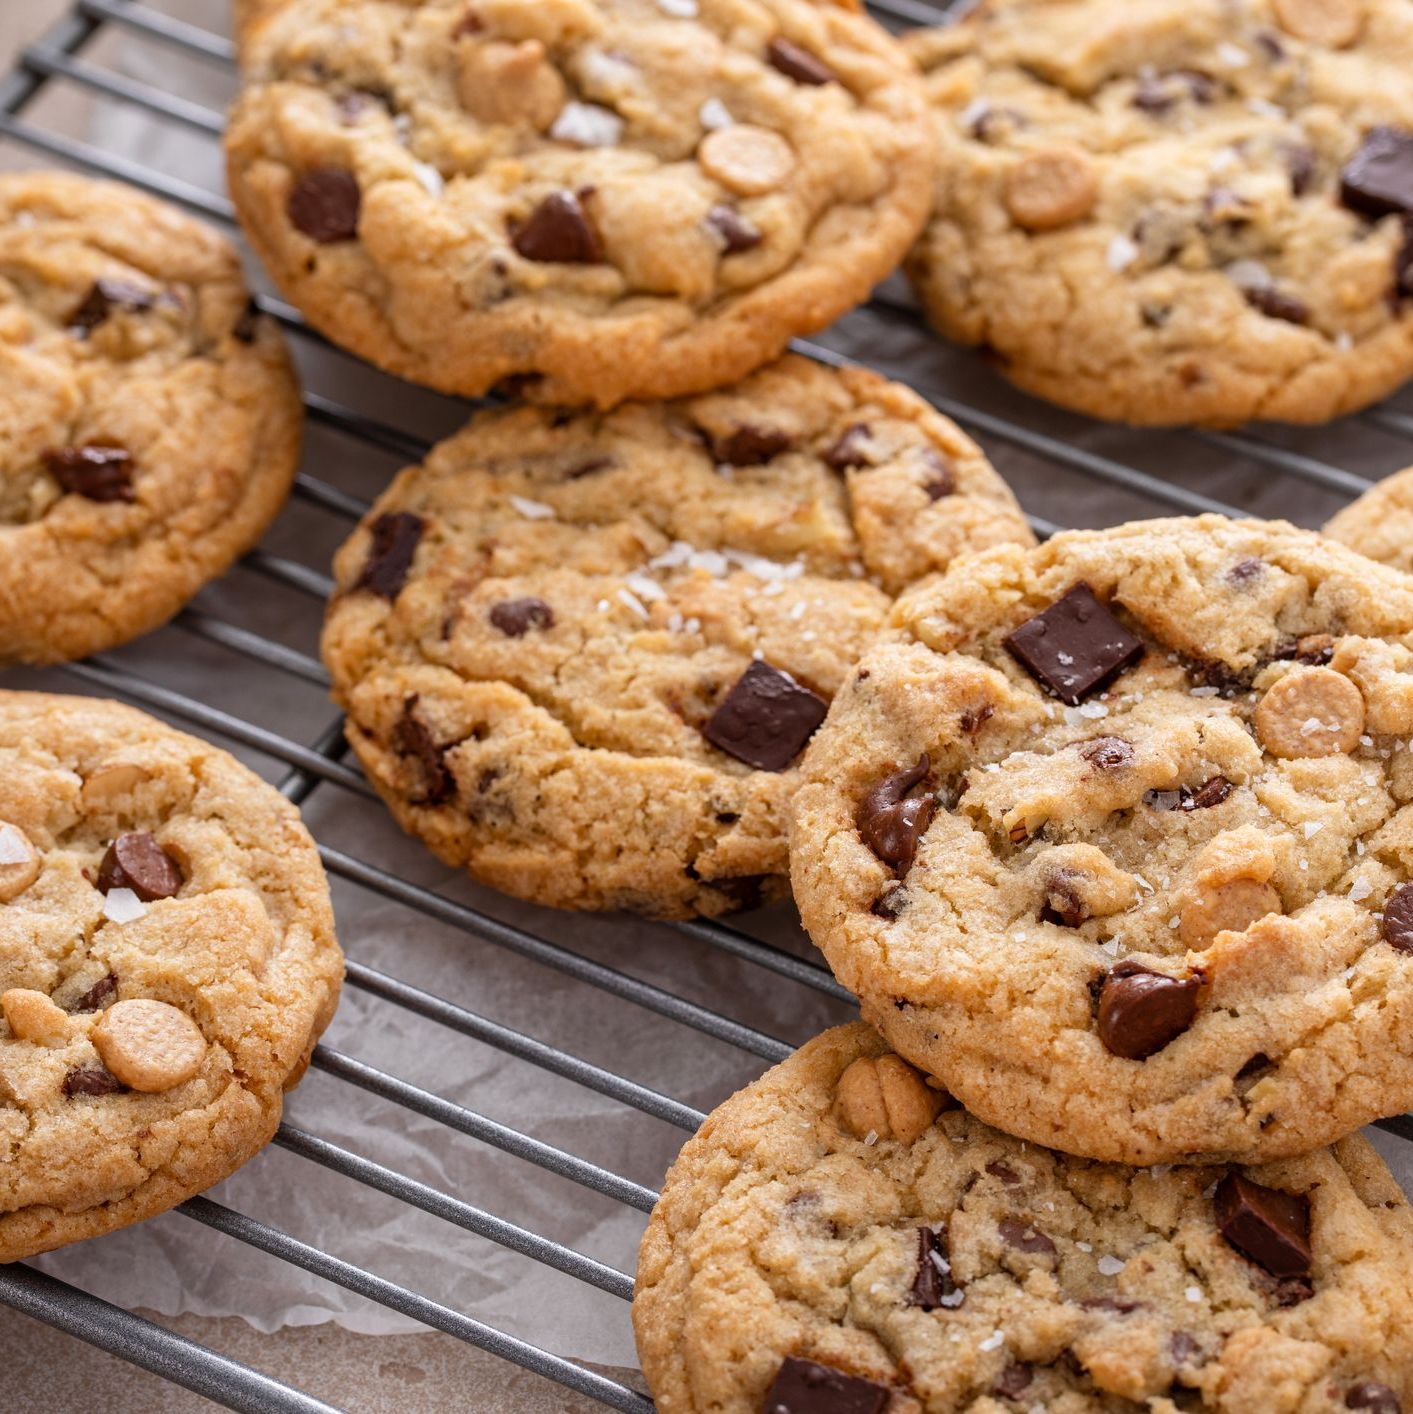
{"x":992,"y":1342}
{"x":1193,"y":1294}
{"x":1233,"y":55}
{"x":1313,"y":828}
{"x":1360,"y":889}
{"x":429,"y":177}
{"x":587,"y":125}
{"x":1264,"y":108}
{"x":1204,"y":691}
{"x":1122,"y":253}
{"x":123,"y":906}
{"x":1110,"y":1266}
{"x":648,"y":590}
{"x":631,"y":601}
{"x":714,"y":114}
{"x":12,"y":846}
{"x":532,"y":510}
{"x":678,"y":9}
{"x":871,"y":1138}
{"x":1085,"y":1246}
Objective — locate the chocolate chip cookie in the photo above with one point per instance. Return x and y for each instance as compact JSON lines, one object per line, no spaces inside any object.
{"x":168,"y":963}
{"x":829,"y":1243}
{"x":149,"y":416}
{"x":580,"y":654}
{"x":1380,"y":523}
{"x":1115,"y":837}
{"x":585,"y":200}
{"x":1181,"y":211}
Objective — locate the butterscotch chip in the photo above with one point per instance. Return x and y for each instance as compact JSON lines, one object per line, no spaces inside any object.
{"x":1052,"y":188}
{"x":508,"y":83}
{"x":1310,"y":712}
{"x":1332,"y":23}
{"x":1225,"y":908}
{"x":747,"y":160}
{"x":19,"y":862}
{"x":887,"y":1098}
{"x":149,"y":1045}
{"x":33,"y":1017}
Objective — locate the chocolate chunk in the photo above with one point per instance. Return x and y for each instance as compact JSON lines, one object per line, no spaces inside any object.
{"x":1274,"y":303}
{"x":395,"y":538}
{"x":1014,"y":1381}
{"x":1300,"y":164}
{"x":1378,"y":179}
{"x":750,"y":445}
{"x":557,"y":231}
{"x":1117,"y":1305}
{"x":1371,"y":1395}
{"x":890,"y":822}
{"x":1141,"y":1011}
{"x":941,"y":480}
{"x":412,"y":737}
{"x":974,"y":718}
{"x":746,"y":891}
{"x":891,"y":902}
{"x":1108,"y":753}
{"x":1398,"y":918}
{"x":766,"y":718}
{"x":1269,"y":1227}
{"x":1024,"y":1237}
{"x":798,"y":64}
{"x":102,"y":991}
{"x":324,"y":204}
{"x":1063,"y":903}
{"x":91,"y":1080}
{"x":136,"y":861}
{"x":1156,"y":93}
{"x":933,"y":1286}
{"x":999,"y":1168}
{"x":736,"y":233}
{"x":805,"y":1387}
{"x":1208,"y":794}
{"x":850,"y":449}
{"x":103,"y":297}
{"x":516,"y":617}
{"x":1075,"y":646}
{"x":95,"y":472}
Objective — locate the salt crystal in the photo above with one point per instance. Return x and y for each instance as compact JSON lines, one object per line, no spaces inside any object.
{"x":1204,"y":691}
{"x":871,"y":1138}
{"x":430,"y":178}
{"x":1085,"y":1246}
{"x":1193,"y":1294}
{"x":1233,"y":55}
{"x":13,"y":849}
{"x":1264,"y":108}
{"x":532,"y":510}
{"x":631,"y":601}
{"x":1122,"y":253}
{"x":1313,"y":828}
{"x":714,"y":114}
{"x":646,"y":589}
{"x":123,"y":906}
{"x":1360,"y":889}
{"x":587,"y":125}
{"x":1111,"y":1266}
{"x":992,"y":1342}
{"x":678,"y":9}
{"x":797,"y":609}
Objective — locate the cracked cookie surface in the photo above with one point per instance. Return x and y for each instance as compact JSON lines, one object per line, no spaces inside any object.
{"x":167,"y":962}
{"x":801,"y":1260}
{"x":1148,"y":897}
{"x":580,"y":654}
{"x":589,"y":199}
{"x":1380,"y":523}
{"x":1176,"y":211}
{"x":149,"y":419}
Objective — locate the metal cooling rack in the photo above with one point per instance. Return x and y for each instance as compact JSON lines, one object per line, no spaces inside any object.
{"x":1057,"y":463}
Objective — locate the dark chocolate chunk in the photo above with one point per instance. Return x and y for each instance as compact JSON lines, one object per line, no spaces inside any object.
{"x":798,"y":64}
{"x":891,"y":902}
{"x":1314,"y":648}
{"x":890,"y":821}
{"x":766,"y":718}
{"x":999,"y":1168}
{"x":1156,"y":93}
{"x":395,"y":538}
{"x":1075,"y":646}
{"x":516,"y":617}
{"x":1108,"y":753}
{"x":413,"y":737}
{"x":750,"y":445}
{"x":1023,"y":1236}
{"x":940,"y":479}
{"x":735,"y":232}
{"x":1378,"y":179}
{"x":805,"y":1387}
{"x":850,"y":449}
{"x":94,"y":472}
{"x":558,"y":231}
{"x":933,"y":1286}
{"x":324,"y":203}
{"x":103,"y":990}
{"x":91,"y":1080}
{"x":136,"y":861}
{"x":103,"y":297}
{"x":1208,"y":794}
{"x":1141,"y":1011}
{"x":1275,"y":303}
{"x":1014,"y":1380}
{"x":1269,"y":1227}
{"x":1398,"y":918}
{"x":746,"y":891}
{"x":1371,"y":1395}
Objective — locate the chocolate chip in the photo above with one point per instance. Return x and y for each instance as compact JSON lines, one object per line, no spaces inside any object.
{"x":806,"y":1387}
{"x":745,"y":891}
{"x":766,"y":718}
{"x":324,"y":204}
{"x":103,"y":297}
{"x":557,"y":231}
{"x":1156,"y":93}
{"x":749,"y":445}
{"x":798,"y":64}
{"x":1378,"y":179}
{"x":97,"y":995}
{"x":1075,"y":646}
{"x":516,"y":617}
{"x":1269,"y":1227}
{"x":1182,"y":1346}
{"x":1275,"y":303}
{"x":1063,"y":904}
{"x":412,"y":737}
{"x":247,"y":325}
{"x":1108,"y":753}
{"x":1270,"y":44}
{"x":999,"y":1168}
{"x":891,"y":902}
{"x":395,"y":538}
{"x":136,"y":861}
{"x":933,"y":1286}
{"x":1141,"y":1011}
{"x":1244,"y":571}
{"x":1398,"y":918}
{"x":1371,"y":1395}
{"x":1015,"y":1379}
{"x":974,"y":718}
{"x":941,"y":480}
{"x":1024,"y":1237}
{"x":1208,"y":794}
{"x":890,"y":822}
{"x":1114,"y":1304}
{"x":91,"y":1080}
{"x":1300,"y":164}
{"x":94,"y":472}
{"x":736,"y":233}
{"x":850,"y":449}
{"x":1254,"y":1066}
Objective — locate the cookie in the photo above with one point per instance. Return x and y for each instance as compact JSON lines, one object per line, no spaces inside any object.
{"x":580,"y":654}
{"x":829,"y":1243}
{"x":1184,"y":211}
{"x":168,"y":963}
{"x":1114,"y":837}
{"x":585,"y":200}
{"x":149,"y":417}
{"x":1380,"y":523}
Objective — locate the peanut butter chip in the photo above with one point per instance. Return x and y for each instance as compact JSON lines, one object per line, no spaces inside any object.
{"x":747,"y":160}
{"x":888,"y":1099}
{"x":1225,"y":908}
{"x":1051,"y":188}
{"x":1332,"y":23}
{"x":1310,"y":712}
{"x":19,"y":862}
{"x":33,"y":1017}
{"x":149,"y":1045}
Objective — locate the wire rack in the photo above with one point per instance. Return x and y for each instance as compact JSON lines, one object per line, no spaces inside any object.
{"x":1067,"y":471}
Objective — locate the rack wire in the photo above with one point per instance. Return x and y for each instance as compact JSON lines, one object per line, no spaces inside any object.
{"x":1055,"y":462}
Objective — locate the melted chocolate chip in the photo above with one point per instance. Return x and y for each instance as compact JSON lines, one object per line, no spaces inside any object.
{"x":974,"y":718}
{"x":558,"y":231}
{"x":850,"y":449}
{"x":806,"y":1387}
{"x":1075,"y":646}
{"x":1108,"y":753}
{"x":890,"y":822}
{"x":798,"y":64}
{"x":516,"y":617}
{"x":1023,"y":1236}
{"x":1141,"y":1011}
{"x":1371,"y":1395}
{"x":999,"y":1168}
{"x":1275,"y":303}
{"x":1267,"y":1226}
{"x":412,"y":737}
{"x":103,"y":297}
{"x":891,"y":902}
{"x":940,"y":479}
{"x":394,"y":542}
{"x":1114,"y":1304}
{"x":1015,"y":1379}
{"x":136,"y":861}
{"x":766,"y":718}
{"x":749,"y":445}
{"x":324,"y":203}
{"x":97,"y":473}
{"x":1063,"y":904}
{"x":735,"y":232}
{"x":1397,"y":926}
{"x":1208,"y":794}
{"x":91,"y":1080}
{"x":97,"y":995}
{"x":933,"y":1286}
{"x":1378,"y":179}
